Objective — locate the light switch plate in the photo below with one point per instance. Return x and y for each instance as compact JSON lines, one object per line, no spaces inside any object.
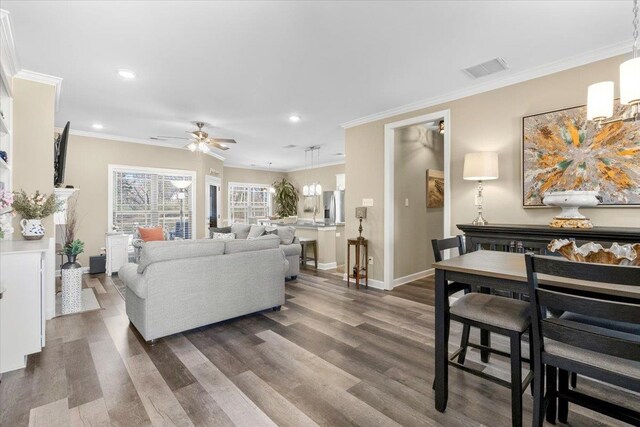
{"x":367,"y":202}
{"x":406,"y":202}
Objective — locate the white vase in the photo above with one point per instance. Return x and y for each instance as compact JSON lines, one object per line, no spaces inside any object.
{"x":71,"y":274}
{"x":32,"y":229}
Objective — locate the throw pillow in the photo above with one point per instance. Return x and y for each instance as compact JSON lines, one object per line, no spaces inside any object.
{"x":286,"y":234}
{"x":223,"y":236}
{"x":240,"y":230}
{"x":151,"y":234}
{"x":218,"y":230}
{"x":256,"y":231}
{"x":270,"y":230}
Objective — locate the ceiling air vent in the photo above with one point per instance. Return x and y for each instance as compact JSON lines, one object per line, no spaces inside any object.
{"x":289,"y":146}
{"x":490,"y":67}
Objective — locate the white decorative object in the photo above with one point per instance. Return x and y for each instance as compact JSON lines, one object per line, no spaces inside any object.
{"x":570,"y":201}
{"x":32,"y":229}
{"x":117,"y":247}
{"x":628,"y":254}
{"x":5,"y":224}
{"x":71,"y":289}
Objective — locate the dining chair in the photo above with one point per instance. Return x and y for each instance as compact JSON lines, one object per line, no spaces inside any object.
{"x":493,"y":313}
{"x":608,"y":352}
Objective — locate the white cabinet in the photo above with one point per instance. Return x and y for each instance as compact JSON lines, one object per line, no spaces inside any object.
{"x":117,"y":247}
{"x":23,"y":278}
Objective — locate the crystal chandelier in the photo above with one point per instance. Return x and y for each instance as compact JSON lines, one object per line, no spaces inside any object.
{"x":600,"y":95}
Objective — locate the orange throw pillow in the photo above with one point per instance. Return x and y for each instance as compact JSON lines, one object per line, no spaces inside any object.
{"x":151,"y":234}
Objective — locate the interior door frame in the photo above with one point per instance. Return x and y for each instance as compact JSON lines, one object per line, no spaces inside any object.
{"x":210,"y":180}
{"x":389,"y":170}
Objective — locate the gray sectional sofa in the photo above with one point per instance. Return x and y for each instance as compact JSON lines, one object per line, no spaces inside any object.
{"x":185,"y":284}
{"x":289,"y":243}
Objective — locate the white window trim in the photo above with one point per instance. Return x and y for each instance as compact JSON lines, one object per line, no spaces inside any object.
{"x":245,"y":184}
{"x":120,"y":168}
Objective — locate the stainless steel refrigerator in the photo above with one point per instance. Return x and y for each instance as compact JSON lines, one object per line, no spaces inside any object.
{"x":333,"y":202}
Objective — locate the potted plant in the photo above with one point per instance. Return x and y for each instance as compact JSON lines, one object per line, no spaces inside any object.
{"x":33,"y":208}
{"x":285,"y":198}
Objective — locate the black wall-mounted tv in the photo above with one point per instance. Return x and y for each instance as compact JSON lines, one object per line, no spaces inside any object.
{"x":60,"y":156}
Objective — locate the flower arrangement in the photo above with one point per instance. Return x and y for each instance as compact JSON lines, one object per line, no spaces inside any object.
{"x":6,"y":199}
{"x":35,"y":206}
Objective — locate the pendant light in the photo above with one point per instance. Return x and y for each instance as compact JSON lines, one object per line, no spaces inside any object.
{"x":318,"y":186}
{"x":272,"y":189}
{"x":600,"y":95}
{"x":305,"y":188}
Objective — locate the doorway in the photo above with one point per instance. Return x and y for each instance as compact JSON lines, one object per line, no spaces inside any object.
{"x":213,"y":201}
{"x":399,"y":201}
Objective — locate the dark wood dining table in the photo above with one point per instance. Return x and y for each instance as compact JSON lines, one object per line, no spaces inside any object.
{"x":496,"y":270}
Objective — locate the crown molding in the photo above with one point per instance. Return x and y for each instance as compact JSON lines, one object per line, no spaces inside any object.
{"x":43,"y":78}
{"x":322,"y":165}
{"x":543,"y":70}
{"x":255,"y":168}
{"x":7,"y":45}
{"x":134,"y":141}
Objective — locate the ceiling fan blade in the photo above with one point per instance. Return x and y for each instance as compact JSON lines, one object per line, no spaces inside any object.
{"x":224,"y":140}
{"x":219,"y":146}
{"x":172,"y":137}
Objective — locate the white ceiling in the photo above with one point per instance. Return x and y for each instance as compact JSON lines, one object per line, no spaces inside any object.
{"x":245,"y":67}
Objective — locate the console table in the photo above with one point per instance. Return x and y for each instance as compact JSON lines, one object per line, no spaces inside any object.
{"x":521,"y":237}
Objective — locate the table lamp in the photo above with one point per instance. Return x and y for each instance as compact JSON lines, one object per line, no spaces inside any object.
{"x":482,"y":166}
{"x":361,"y":213}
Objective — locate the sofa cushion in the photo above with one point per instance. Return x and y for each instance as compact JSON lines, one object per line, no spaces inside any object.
{"x":286,"y":234}
{"x":151,"y":234}
{"x":241,"y":230}
{"x":291,"y":250}
{"x":218,"y":230}
{"x":176,"y":249}
{"x":223,"y":236}
{"x":259,"y":244}
{"x":256,"y":231}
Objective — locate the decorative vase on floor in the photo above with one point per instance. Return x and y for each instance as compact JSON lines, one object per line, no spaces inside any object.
{"x":32,"y":229}
{"x":71,"y":273}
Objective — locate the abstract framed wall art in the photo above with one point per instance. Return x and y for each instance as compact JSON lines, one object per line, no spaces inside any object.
{"x":435,"y":188}
{"x":562,"y":150}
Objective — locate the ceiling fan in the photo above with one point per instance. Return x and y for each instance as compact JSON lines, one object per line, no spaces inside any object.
{"x":201,"y":141}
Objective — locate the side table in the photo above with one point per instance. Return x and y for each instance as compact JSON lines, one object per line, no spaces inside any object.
{"x":359,"y":244}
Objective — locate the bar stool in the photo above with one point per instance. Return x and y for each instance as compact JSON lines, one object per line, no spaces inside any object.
{"x":306,"y":243}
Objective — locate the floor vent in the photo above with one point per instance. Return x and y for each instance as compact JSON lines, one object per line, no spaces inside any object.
{"x":490,"y":67}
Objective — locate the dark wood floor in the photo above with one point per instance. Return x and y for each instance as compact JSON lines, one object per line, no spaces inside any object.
{"x":333,"y":356}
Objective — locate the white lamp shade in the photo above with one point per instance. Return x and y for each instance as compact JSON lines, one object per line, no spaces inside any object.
{"x":480,"y":166}
{"x":318,"y":189}
{"x":192,"y":147}
{"x":630,"y":81}
{"x":305,"y":190}
{"x":312,"y":189}
{"x":272,"y":190}
{"x":600,"y":101}
{"x":180,"y":184}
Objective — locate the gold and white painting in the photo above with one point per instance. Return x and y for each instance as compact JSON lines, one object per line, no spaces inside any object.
{"x":435,"y":188}
{"x":562,"y":151}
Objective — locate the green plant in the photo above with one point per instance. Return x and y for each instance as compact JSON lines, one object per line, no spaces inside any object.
{"x":286,"y":198}
{"x":76,"y":247}
{"x":35,"y":206}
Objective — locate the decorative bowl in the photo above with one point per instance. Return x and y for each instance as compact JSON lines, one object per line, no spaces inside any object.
{"x":628,"y":254}
{"x":570,"y":201}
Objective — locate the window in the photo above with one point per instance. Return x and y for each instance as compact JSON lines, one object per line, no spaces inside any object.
{"x":146,"y":197}
{"x":248,"y":201}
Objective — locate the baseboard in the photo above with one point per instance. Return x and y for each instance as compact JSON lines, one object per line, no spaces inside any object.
{"x":378,"y":284}
{"x":412,"y":277}
{"x":85,"y":270}
{"x":323,"y":265}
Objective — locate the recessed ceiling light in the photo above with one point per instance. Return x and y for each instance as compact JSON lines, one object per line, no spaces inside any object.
{"x":294,"y":118}
{"x":97,"y":126}
{"x":127,"y":74}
